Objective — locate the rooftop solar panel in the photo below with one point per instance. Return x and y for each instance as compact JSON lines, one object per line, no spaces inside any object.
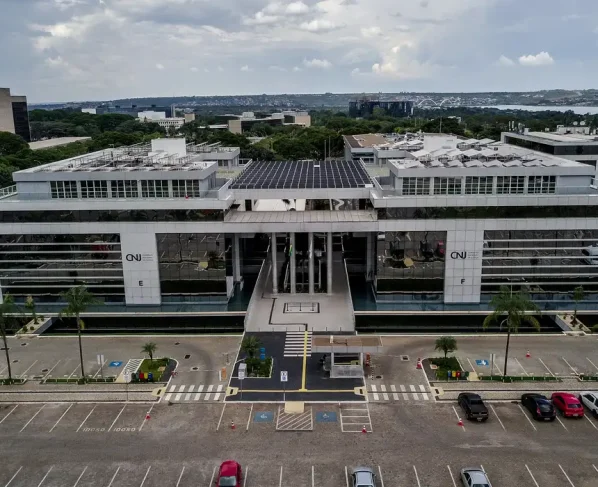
{"x":302,"y":175}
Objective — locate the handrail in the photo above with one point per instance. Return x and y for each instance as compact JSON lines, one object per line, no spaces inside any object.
{"x":8,"y":191}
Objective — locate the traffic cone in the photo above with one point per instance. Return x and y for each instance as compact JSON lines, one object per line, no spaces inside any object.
{"x":419,"y":363}
{"x":527,"y":354}
{"x":364,"y":429}
{"x":232,"y":425}
{"x":460,"y":423}
{"x":147,"y":416}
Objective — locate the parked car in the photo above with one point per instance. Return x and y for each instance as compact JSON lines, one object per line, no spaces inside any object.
{"x":590,"y":400}
{"x":540,"y":406}
{"x":229,"y":474}
{"x":474,"y":477}
{"x":363,"y":477}
{"x":567,"y":404}
{"x":473,"y":406}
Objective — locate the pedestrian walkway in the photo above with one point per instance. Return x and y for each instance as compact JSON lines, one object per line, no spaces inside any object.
{"x":354,"y":418}
{"x":131,"y":367}
{"x":294,"y":343}
{"x":382,"y":392}
{"x":193,"y":393}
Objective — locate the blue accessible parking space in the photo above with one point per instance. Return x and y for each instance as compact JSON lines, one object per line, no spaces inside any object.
{"x":263,"y":417}
{"x":482,"y":362}
{"x":115,"y":364}
{"x":325,"y":417}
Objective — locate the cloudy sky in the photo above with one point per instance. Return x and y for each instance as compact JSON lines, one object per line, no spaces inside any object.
{"x":59,"y":50}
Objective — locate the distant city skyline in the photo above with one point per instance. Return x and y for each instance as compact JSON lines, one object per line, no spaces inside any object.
{"x":68,"y":50}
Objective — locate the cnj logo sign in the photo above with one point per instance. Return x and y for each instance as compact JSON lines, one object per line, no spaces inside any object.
{"x":463,"y":255}
{"x":139,"y":257}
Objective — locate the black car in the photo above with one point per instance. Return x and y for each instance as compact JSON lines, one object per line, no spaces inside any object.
{"x":540,"y":406}
{"x":473,"y":406}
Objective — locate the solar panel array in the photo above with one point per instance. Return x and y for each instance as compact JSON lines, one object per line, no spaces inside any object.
{"x":302,"y":175}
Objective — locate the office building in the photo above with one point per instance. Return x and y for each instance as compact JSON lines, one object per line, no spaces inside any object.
{"x":151,"y":228}
{"x":14,"y":117}
{"x":365,"y":108}
{"x":244,"y":122}
{"x":161,"y":120}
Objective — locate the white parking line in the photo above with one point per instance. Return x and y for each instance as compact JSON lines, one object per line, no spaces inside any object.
{"x":519,"y":363}
{"x":451,"y":473}
{"x":381,"y":479}
{"x":416,"y":476}
{"x":591,"y":422}
{"x":570,"y":366}
{"x":221,"y":414}
{"x":50,"y":371}
{"x":471,"y":365}
{"x":497,"y":417}
{"x":562,"y":424}
{"x":546,"y":366}
{"x":249,"y":418}
{"x":113,"y":477}
{"x":33,"y":417}
{"x":60,"y":419}
{"x":592,"y":363}
{"x":565,"y":474}
{"x":145,"y":476}
{"x":117,"y":416}
{"x":1,"y":421}
{"x":526,"y":417}
{"x":244,"y":478}
{"x":460,"y":364}
{"x":17,"y":473}
{"x":313,"y":481}
{"x":82,"y":473}
{"x":530,"y":474}
{"x":28,"y":368}
{"x":145,"y":417}
{"x":482,"y":467}
{"x":595,"y":468}
{"x":458,"y":417}
{"x":280,"y":478}
{"x":86,"y":418}
{"x":180,"y":477}
{"x":346,"y":476}
{"x":497,"y":368}
{"x":47,"y":473}
{"x":214,"y":474}
{"x":71,"y":374}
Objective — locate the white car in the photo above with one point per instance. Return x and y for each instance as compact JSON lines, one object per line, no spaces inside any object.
{"x":474,"y":477}
{"x":590,"y":400}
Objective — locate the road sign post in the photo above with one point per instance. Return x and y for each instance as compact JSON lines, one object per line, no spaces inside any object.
{"x":284,"y":378}
{"x":492,"y":365}
{"x":241,"y":374}
{"x":127,"y":377}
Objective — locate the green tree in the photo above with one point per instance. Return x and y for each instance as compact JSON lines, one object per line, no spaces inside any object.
{"x":250,"y":346}
{"x":7,"y":309}
{"x":446,"y":344}
{"x":578,"y":295}
{"x":150,"y":349}
{"x":11,"y":144}
{"x":512,"y":308}
{"x":30,"y":305}
{"x":78,"y":299}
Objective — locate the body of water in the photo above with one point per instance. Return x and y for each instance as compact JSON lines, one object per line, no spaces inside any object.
{"x":577,"y":110}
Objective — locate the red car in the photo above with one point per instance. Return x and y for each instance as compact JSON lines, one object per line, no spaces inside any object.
{"x":567,"y":404}
{"x":229,"y":474}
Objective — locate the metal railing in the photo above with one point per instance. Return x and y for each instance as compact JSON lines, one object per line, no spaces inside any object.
{"x":8,"y":191}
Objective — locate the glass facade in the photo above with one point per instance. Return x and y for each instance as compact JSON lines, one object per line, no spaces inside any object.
{"x":447,"y":185}
{"x":410,"y":262}
{"x":478,"y":184}
{"x":66,"y":216}
{"x":43,"y":266}
{"x":416,"y":186}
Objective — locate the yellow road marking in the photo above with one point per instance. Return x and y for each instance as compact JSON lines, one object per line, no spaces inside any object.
{"x":303,"y":376}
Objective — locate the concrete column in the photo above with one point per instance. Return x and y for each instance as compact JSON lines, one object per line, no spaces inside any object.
{"x":310,"y":246}
{"x":329,"y":264}
{"x":236,"y":258}
{"x":293,"y":264}
{"x":274,"y":266}
{"x":369,"y":258}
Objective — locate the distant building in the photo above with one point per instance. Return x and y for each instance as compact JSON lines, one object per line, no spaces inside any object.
{"x":92,"y":111}
{"x":364,"y":108}
{"x":244,"y":122}
{"x":132,"y":110}
{"x":189,"y":117}
{"x":161,"y":120}
{"x":14,"y":117}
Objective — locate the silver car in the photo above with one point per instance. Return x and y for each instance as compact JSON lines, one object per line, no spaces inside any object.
{"x":474,"y":477}
{"x":363,"y":477}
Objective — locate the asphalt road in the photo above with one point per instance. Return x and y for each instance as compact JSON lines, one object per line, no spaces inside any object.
{"x":415,"y":444}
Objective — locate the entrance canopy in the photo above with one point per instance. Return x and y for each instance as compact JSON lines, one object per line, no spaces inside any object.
{"x":346,"y":344}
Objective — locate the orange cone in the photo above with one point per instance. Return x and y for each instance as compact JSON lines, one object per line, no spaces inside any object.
{"x":419,"y":363}
{"x":527,"y":354}
{"x":364,"y":429}
{"x":460,"y":423}
{"x":147,"y":416}
{"x":232,"y":425}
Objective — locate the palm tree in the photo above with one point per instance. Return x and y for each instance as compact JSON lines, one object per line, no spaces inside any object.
{"x":30,"y":305}
{"x":446,"y":344}
{"x":78,"y":299}
{"x":7,"y":308}
{"x":250,"y":346}
{"x":578,"y":295}
{"x":514,"y":306}
{"x":150,"y":349}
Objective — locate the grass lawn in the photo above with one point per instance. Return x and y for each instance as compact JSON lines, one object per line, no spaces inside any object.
{"x":156,"y":367}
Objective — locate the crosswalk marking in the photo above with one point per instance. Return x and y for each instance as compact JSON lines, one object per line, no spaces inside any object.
{"x":294,"y":343}
{"x":423,"y":391}
{"x":188,"y":395}
{"x":198,"y":393}
{"x":405,"y":396}
{"x":395,"y":396}
{"x":194,"y":393}
{"x":415,"y":396}
{"x":385,"y":392}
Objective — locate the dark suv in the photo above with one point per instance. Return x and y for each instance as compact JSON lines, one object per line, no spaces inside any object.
{"x":473,"y":406}
{"x":540,"y":406}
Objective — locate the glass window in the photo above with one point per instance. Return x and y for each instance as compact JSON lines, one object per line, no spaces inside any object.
{"x":94,"y":189}
{"x":154,"y":189}
{"x":185,"y":188}
{"x":478,"y":185}
{"x":416,"y":186}
{"x":124,"y":189}
{"x":541,"y":184}
{"x":510,"y":184}
{"x":447,"y":185}
{"x":63,"y":189}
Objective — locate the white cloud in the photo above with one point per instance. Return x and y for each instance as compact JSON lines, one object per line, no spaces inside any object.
{"x":261,"y":18}
{"x":402,"y":63}
{"x":318,"y":25}
{"x":355,"y":72}
{"x":245,"y":68}
{"x":159,"y":66}
{"x":371,"y":31}
{"x":194,"y":69}
{"x":505,"y":61}
{"x":317,"y":63}
{"x":540,"y":59}
{"x":55,"y":61}
{"x":296,"y":8}
{"x":296,"y":69}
